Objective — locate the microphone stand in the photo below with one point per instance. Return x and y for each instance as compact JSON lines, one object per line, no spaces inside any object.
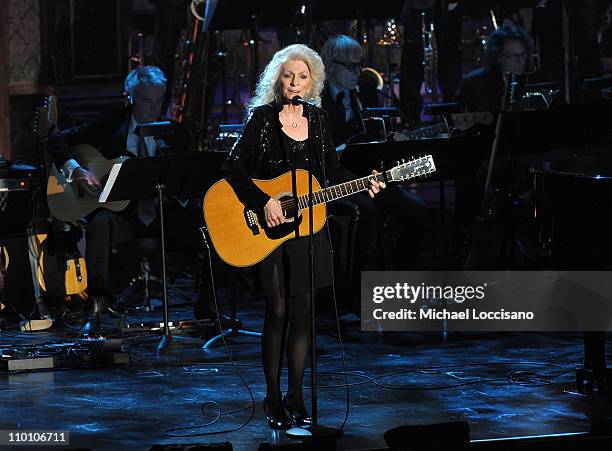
{"x":313,"y":431}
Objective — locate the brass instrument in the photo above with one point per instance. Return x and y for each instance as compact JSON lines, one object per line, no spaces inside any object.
{"x":186,"y":54}
{"x":136,"y":51}
{"x":430,"y":59}
{"x":196,"y":7}
{"x":372,"y":77}
{"x":390,"y":39}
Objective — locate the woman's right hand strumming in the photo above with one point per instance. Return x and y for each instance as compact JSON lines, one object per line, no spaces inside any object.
{"x":273,"y":213}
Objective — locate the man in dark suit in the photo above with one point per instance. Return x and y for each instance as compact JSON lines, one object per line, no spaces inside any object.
{"x":343,"y":56}
{"x":113,"y":134}
{"x":510,"y":50}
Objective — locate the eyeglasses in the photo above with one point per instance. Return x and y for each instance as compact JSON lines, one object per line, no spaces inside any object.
{"x":352,"y":67}
{"x":515,"y":56}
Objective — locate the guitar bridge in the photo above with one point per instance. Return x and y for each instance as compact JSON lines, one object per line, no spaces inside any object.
{"x":251,"y":221}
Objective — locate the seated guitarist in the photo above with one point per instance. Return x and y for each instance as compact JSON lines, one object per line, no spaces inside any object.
{"x":113,"y":134}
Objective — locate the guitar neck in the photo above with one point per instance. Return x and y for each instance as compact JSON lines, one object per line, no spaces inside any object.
{"x":427,"y":132}
{"x":341,"y":190}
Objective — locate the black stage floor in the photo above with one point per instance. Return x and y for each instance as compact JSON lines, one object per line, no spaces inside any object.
{"x":504,"y":385}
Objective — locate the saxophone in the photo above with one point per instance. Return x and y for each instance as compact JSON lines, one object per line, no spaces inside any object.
{"x":430,"y":60}
{"x":183,"y":70}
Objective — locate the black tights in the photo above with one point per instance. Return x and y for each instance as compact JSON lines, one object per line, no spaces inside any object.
{"x":276,"y":325}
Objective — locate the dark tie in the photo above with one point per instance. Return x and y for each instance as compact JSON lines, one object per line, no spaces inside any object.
{"x":340,"y":105}
{"x":142,"y":148}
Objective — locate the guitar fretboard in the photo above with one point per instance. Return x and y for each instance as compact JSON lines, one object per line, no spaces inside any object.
{"x":427,"y":132}
{"x":341,"y":190}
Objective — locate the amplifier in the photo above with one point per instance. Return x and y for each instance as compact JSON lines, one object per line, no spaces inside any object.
{"x":16,"y":186}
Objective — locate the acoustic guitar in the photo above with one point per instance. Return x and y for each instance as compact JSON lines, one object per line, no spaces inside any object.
{"x":66,"y":202}
{"x":240,"y":235}
{"x":57,"y":274}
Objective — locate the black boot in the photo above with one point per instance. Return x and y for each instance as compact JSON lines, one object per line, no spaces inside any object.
{"x":92,"y":326}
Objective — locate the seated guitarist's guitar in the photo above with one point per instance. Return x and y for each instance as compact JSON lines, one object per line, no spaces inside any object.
{"x":241,"y":237}
{"x":65,"y":201}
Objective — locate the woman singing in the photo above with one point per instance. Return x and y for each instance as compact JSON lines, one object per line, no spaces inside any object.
{"x":275,"y":140}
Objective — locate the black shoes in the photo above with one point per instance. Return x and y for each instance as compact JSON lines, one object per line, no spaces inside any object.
{"x":277,"y":423}
{"x":93,"y":324}
{"x":299,"y":417}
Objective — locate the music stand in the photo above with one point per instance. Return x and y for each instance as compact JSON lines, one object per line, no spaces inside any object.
{"x":199,"y":172}
{"x":156,"y":177}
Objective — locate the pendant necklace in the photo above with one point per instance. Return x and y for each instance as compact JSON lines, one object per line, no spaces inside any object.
{"x":294,"y":124}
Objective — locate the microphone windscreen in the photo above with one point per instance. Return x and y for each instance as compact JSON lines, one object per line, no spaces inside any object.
{"x":296,"y":100}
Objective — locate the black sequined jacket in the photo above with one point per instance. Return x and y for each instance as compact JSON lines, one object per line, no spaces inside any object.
{"x":261,"y":153}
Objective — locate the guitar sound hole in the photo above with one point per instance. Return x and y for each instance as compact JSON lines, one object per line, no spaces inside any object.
{"x":288,"y":227}
{"x":289,"y":207}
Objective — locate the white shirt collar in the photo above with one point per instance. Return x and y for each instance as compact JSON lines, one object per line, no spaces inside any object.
{"x":133,"y":124}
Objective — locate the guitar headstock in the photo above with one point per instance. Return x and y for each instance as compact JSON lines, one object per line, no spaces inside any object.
{"x":45,"y":118}
{"x":411,"y":169}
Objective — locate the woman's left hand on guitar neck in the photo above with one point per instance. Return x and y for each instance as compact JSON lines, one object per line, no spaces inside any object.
{"x":375,"y":186}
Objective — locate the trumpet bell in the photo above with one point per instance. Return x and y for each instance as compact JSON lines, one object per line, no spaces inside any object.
{"x":198,"y":8}
{"x":371,"y":77}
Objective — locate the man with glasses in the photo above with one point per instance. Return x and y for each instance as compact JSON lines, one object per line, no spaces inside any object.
{"x":343,"y":59}
{"x":509,"y":51}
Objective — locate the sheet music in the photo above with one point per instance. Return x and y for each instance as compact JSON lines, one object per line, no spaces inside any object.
{"x":112,"y":176}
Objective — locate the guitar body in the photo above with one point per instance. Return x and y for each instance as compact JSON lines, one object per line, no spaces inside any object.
{"x":57,"y":275}
{"x":241,"y":236}
{"x":65,"y":202}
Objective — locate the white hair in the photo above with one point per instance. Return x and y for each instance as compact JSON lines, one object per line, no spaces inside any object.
{"x":269,"y":87}
{"x":341,"y":47}
{"x":149,"y":75}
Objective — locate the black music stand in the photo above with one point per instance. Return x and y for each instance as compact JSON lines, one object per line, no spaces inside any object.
{"x":198,"y":176}
{"x":180,"y":175}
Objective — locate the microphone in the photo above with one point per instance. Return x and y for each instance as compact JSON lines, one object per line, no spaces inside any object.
{"x":297,"y":100}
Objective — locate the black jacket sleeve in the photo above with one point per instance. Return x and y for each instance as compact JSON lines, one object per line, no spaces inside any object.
{"x":241,"y":162}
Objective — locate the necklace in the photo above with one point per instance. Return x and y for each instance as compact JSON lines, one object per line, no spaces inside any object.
{"x":294,"y":124}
